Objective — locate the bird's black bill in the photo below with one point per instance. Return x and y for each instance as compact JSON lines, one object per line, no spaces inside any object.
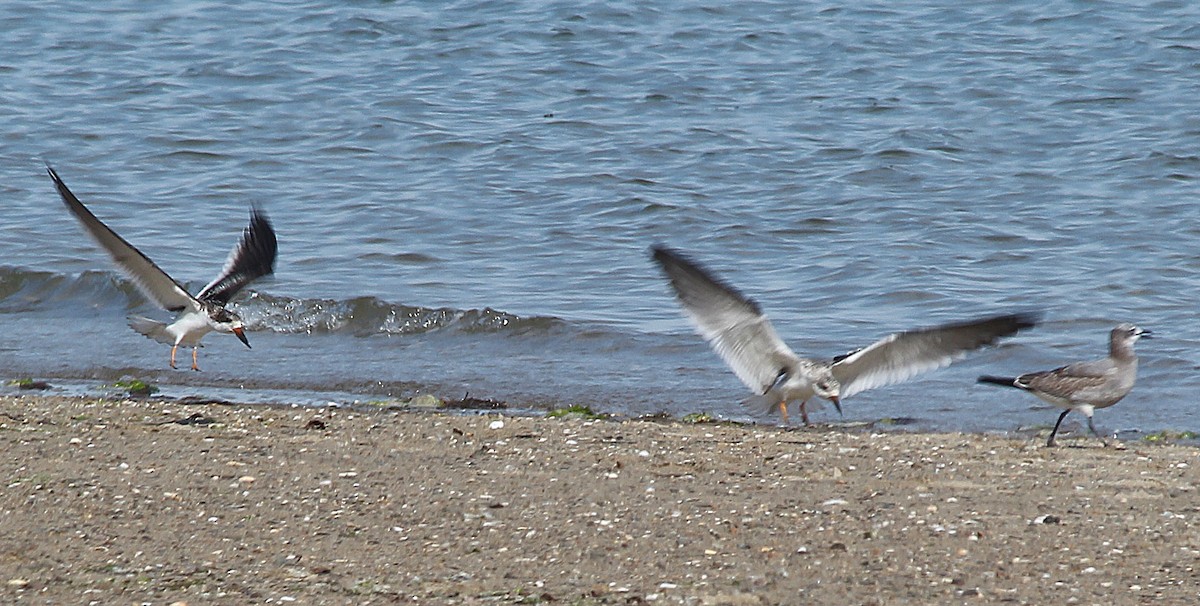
{"x":241,"y":335}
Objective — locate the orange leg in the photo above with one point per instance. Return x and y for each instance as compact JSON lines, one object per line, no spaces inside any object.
{"x":195,"y":364}
{"x":783,"y":411}
{"x":173,"y":348}
{"x":804,"y":413}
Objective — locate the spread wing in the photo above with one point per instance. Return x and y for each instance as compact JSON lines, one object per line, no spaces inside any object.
{"x":152,"y":281}
{"x":901,"y":356}
{"x":732,"y":324}
{"x":251,"y":259}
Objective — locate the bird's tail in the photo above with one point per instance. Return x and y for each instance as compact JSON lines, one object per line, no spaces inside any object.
{"x":152,"y":329}
{"x":764,"y":404}
{"x":768,"y":403}
{"x":1005,"y":381}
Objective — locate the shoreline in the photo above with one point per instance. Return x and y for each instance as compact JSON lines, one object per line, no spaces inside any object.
{"x":164,"y":502}
{"x":414,"y":398}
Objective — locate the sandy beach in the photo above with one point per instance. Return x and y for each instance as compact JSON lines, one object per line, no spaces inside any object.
{"x":154,"y":502}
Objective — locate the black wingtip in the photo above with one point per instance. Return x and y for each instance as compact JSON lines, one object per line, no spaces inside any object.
{"x":259,"y":218}
{"x":64,"y":192}
{"x":660,"y":252}
{"x":1012,"y":323}
{"x":54,"y":175}
{"x":681,"y":269}
{"x":1005,"y":325}
{"x":1027,"y":319}
{"x":667,"y":258}
{"x":258,"y":214}
{"x":262,"y":233}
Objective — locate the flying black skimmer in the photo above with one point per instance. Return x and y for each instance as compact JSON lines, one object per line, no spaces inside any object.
{"x":252,"y":258}
{"x":741,"y":334}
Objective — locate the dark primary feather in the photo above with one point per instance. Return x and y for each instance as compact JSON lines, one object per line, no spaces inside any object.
{"x":902,"y":355}
{"x":152,"y":280}
{"x":251,"y":259}
{"x":732,"y":323}
{"x":695,"y":286}
{"x":972,"y":334}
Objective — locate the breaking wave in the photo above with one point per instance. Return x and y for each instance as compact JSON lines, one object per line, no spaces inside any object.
{"x":25,"y":291}
{"x":365,"y":316}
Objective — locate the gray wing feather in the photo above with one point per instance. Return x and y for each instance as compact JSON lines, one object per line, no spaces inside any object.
{"x":151,"y":280}
{"x":733,"y":325}
{"x":1068,"y":381}
{"x":901,"y":356}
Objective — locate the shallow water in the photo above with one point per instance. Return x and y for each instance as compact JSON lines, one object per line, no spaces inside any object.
{"x":465,"y":193}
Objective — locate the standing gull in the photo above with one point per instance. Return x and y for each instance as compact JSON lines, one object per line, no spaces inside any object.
{"x":252,"y":258}
{"x":739,"y":332}
{"x":1085,"y":386}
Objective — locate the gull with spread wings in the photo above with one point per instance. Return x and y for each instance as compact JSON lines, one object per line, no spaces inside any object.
{"x":252,"y":258}
{"x":741,"y":334}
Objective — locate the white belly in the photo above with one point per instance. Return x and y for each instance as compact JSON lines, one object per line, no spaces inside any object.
{"x":189,"y":328}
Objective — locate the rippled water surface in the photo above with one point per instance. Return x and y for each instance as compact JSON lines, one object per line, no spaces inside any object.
{"x":465,"y":192}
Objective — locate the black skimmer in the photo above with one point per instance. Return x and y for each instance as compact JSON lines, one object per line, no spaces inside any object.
{"x":252,"y":258}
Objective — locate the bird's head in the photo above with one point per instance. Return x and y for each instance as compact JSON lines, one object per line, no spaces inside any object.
{"x":826,"y":386}
{"x":227,"y":321}
{"x":1125,"y":335}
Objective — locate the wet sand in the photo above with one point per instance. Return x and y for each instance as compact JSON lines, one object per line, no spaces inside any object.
{"x":143,"y":501}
